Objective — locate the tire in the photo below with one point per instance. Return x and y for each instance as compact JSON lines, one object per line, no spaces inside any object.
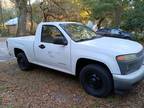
{"x":96,"y":80}
{"x":23,"y":62}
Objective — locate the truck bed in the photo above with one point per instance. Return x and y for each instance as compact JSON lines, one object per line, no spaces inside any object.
{"x":25,"y":43}
{"x":24,"y":38}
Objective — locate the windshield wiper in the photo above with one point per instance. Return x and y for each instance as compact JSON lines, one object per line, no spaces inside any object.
{"x":81,"y":40}
{"x":87,"y":39}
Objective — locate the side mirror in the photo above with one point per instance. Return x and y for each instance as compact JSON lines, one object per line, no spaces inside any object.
{"x":60,"y":40}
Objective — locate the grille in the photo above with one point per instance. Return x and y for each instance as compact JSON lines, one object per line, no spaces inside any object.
{"x":133,"y":66}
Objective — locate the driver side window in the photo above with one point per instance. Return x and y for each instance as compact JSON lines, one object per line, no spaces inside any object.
{"x":49,"y":33}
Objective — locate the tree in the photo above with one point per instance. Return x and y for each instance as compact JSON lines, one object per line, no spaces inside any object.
{"x":102,"y":9}
{"x":59,"y":10}
{"x":30,"y":15}
{"x":37,"y":12}
{"x":22,"y":14}
{"x":1,"y":13}
{"x":22,"y":6}
{"x":134,"y":17}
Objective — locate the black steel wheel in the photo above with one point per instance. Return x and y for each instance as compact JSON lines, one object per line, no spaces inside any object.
{"x":23,"y":61}
{"x":96,"y":80}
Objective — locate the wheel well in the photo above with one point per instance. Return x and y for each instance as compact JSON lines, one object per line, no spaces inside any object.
{"x":83,"y":62}
{"x":17,"y":51}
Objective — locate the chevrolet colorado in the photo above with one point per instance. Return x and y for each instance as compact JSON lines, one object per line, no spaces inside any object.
{"x":103,"y":64}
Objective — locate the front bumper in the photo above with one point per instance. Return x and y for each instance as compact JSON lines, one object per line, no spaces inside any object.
{"x":126,"y":82}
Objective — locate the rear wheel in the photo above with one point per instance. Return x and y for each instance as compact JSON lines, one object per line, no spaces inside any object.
{"x":23,"y":61}
{"x":96,"y":80}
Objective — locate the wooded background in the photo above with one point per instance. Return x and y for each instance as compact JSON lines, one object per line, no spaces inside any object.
{"x":126,"y":14}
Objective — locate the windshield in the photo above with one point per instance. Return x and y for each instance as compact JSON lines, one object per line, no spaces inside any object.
{"x":79,"y":32}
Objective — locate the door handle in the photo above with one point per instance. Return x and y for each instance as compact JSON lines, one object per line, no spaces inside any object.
{"x":42,"y":46}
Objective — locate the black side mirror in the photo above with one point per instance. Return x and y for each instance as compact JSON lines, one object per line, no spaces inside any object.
{"x":60,"y":40}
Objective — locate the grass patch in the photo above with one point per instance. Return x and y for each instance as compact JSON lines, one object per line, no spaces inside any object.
{"x":74,"y":107}
{"x":0,"y":100}
{"x":112,"y":98}
{"x":3,"y":88}
{"x":95,"y":105}
{"x":10,"y":106}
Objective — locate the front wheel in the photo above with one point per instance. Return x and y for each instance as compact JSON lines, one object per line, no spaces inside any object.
{"x":96,"y":80}
{"x":23,"y":61}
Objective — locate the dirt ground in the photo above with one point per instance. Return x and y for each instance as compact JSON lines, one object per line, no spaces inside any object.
{"x":45,"y":88}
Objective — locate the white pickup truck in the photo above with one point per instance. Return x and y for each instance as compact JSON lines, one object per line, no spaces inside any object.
{"x":103,"y":64}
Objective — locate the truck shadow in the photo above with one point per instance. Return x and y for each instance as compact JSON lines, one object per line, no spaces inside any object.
{"x":46,"y":70}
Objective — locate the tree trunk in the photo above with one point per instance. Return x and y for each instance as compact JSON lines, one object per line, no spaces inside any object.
{"x":100,"y":22}
{"x":43,"y":11}
{"x":1,"y":13}
{"x":22,"y":6}
{"x":44,"y":17}
{"x":117,"y":15}
{"x":30,"y":17}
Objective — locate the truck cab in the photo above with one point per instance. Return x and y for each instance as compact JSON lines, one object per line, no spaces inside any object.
{"x":52,"y":47}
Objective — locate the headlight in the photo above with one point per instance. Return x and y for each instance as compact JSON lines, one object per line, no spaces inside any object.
{"x":128,"y":57}
{"x":130,"y":62}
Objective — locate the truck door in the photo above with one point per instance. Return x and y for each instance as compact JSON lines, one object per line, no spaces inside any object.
{"x":50,"y":54}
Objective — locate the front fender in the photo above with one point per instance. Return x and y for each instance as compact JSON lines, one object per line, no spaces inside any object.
{"x":110,"y":62}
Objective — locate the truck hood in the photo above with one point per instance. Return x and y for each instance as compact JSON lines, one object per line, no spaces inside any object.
{"x":113,"y":45}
